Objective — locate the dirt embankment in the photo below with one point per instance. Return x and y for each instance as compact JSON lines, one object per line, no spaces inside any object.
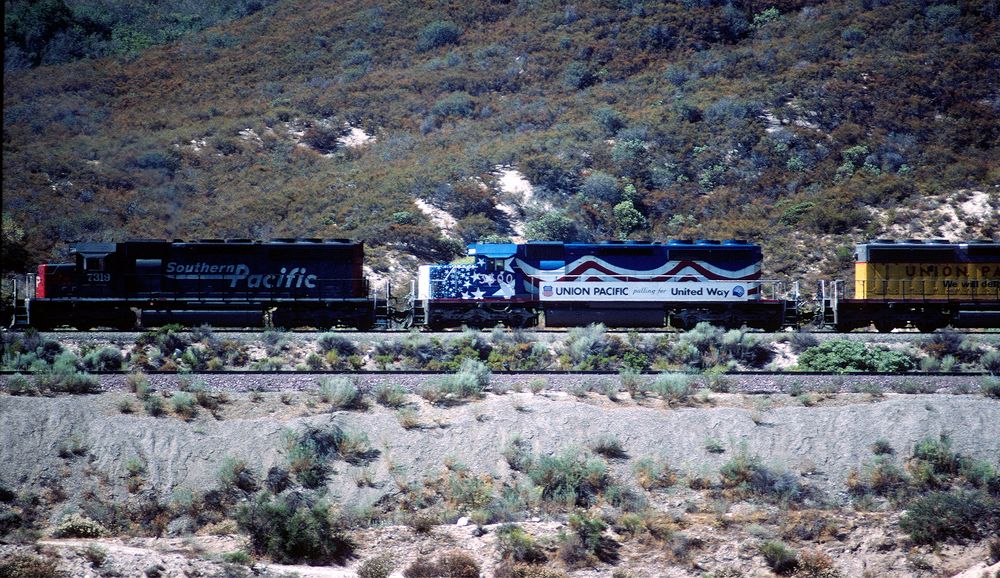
{"x":819,"y":444}
{"x":828,"y":440}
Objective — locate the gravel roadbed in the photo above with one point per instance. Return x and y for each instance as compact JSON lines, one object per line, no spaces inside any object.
{"x":740,"y":383}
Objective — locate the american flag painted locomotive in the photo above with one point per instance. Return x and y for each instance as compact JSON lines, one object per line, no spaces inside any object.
{"x":627,"y":284}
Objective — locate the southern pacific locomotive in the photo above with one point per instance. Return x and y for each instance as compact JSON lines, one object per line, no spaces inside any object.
{"x":285,"y":283}
{"x":315,"y":283}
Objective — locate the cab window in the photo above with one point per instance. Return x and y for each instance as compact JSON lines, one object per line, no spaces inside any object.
{"x":93,"y":263}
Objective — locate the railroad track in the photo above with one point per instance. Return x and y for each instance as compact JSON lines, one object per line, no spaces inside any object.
{"x":534,"y":372}
{"x":247,"y":335}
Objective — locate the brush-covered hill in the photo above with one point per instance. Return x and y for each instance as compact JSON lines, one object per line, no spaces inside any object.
{"x":803,"y":125}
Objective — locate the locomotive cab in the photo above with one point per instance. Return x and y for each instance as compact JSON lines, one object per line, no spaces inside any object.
{"x":95,"y":270}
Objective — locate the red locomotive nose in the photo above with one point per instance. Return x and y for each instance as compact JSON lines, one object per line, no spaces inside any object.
{"x":40,"y":281}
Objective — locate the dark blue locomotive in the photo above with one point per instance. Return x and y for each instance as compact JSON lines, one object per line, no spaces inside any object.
{"x":620,"y":284}
{"x":235,"y":283}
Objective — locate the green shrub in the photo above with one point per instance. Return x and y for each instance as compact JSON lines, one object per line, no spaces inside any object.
{"x":991,"y":387}
{"x":952,"y":515}
{"x":240,"y":557}
{"x":625,"y":498}
{"x":380,"y":566}
{"x":577,"y":76}
{"x":235,"y":473}
{"x":72,"y":446}
{"x":610,"y":447}
{"x":609,"y":119}
{"x":390,"y":395}
{"x":600,"y":186}
{"x":674,"y":387}
{"x":452,"y":564}
{"x":77,"y":382}
{"x":96,"y":555}
{"x":571,"y":478}
{"x":28,"y":566}
{"x":587,"y":542}
{"x":18,"y":384}
{"x":714,"y":446}
{"x":456,"y":104}
{"x":991,"y":361}
{"x":438,"y":33}
{"x":779,"y":557}
{"x":305,"y":460}
{"x":589,"y":347}
{"x":851,"y":356}
{"x":292,"y":529}
{"x":153,"y":405}
{"x":881,"y":477}
{"x":652,"y":475}
{"x":518,"y":454}
{"x":515,"y":544}
{"x":745,"y":347}
{"x":882,"y":447}
{"x":632,"y":382}
{"x":334,"y":342}
{"x":183,"y":404}
{"x":103,"y":359}
{"x":135,"y":467}
{"x":138,"y":384}
{"x":938,"y":454}
{"x":197,"y":358}
{"x":167,"y":339}
{"x":471,"y":379}
{"x":354,"y":447}
{"x":341,"y":393}
{"x":746,"y":473}
{"x":552,"y":226}
{"x":308,"y":452}
{"x":79,"y":526}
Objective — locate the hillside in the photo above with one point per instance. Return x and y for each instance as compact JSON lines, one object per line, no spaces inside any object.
{"x":805,"y":126}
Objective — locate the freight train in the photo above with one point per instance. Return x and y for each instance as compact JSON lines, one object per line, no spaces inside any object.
{"x":321,"y":283}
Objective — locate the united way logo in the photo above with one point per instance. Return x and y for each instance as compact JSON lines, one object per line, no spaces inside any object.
{"x":739,"y":291}
{"x":547,"y":290}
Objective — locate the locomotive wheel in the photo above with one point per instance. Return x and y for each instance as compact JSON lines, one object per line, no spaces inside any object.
{"x":926,"y":327}
{"x":884,"y":326}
